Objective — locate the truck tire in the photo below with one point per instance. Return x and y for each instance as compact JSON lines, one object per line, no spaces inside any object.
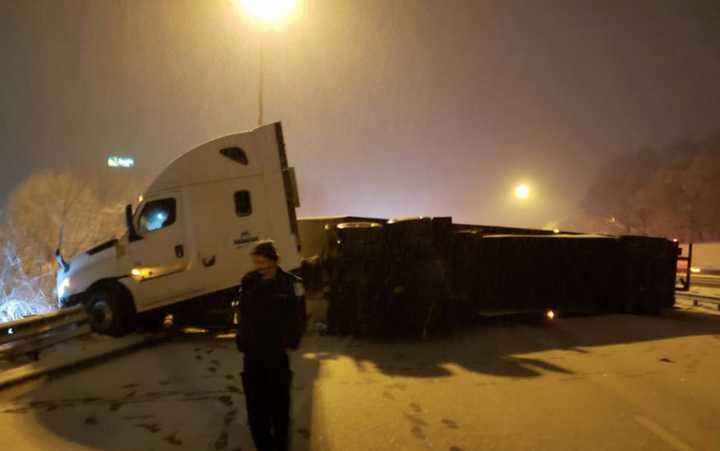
{"x":111,"y":311}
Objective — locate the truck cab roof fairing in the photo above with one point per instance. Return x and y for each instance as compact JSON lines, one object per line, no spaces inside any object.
{"x":263,"y":147}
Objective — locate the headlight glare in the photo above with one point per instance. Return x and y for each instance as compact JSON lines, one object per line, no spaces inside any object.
{"x":63,"y":287}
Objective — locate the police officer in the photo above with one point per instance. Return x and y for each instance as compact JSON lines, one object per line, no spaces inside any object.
{"x":272,"y":320}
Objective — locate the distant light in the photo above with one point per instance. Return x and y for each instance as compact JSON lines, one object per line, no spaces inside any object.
{"x":136,"y":272}
{"x":675,"y":240}
{"x":268,"y":11}
{"x":695,"y":269}
{"x":550,"y":314}
{"x":556,"y":230}
{"x":522,"y":191}
{"x":11,"y":331}
{"x":140,"y":198}
{"x":120,"y":162}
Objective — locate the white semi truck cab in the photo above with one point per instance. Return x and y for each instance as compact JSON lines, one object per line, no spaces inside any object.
{"x":190,"y":236}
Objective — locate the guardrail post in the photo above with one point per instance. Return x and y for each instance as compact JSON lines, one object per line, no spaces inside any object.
{"x":688,"y":270}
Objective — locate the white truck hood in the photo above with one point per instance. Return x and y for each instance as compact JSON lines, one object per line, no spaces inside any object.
{"x":96,"y":263}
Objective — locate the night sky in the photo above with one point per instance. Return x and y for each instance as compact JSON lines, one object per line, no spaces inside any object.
{"x":390,"y":108}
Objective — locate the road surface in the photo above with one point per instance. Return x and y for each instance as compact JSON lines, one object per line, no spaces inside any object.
{"x":600,"y":383}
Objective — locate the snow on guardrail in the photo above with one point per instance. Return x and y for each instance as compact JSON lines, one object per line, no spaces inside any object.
{"x":28,"y":336}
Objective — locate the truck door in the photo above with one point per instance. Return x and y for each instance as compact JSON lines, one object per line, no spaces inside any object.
{"x":160,"y":257}
{"x":228,"y":218}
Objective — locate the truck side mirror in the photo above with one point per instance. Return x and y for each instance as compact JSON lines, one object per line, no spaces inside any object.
{"x":132,"y":233}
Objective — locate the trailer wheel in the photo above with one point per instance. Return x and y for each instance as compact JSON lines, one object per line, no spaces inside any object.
{"x":110,"y":311}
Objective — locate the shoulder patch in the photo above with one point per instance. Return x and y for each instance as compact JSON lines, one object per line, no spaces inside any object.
{"x":299,"y":289}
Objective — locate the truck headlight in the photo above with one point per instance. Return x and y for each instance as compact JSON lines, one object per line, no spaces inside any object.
{"x":63,"y":287}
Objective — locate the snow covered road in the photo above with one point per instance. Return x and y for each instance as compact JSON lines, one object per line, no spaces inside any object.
{"x":597,"y":383}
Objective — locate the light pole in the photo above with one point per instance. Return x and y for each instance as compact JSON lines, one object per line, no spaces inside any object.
{"x":261,"y":81}
{"x":267,"y":14}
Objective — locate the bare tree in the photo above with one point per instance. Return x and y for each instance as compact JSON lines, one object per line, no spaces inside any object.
{"x":702,"y":194}
{"x":673,"y":192}
{"x":86,"y":210}
{"x":20,"y":294}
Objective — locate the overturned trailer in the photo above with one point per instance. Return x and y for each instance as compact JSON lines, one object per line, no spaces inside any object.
{"x":419,"y":276}
{"x":188,"y":241}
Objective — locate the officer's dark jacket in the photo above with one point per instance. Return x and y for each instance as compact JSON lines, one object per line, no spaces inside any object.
{"x":272,"y":313}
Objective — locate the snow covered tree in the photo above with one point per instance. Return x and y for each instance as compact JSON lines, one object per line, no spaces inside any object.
{"x":20,"y":294}
{"x":84,"y":210}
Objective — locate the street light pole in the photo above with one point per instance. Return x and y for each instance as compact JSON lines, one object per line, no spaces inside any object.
{"x":267,"y":13}
{"x":261,"y":80}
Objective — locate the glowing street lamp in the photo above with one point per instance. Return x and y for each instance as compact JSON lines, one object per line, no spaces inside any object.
{"x":522,"y":191}
{"x":270,"y":13}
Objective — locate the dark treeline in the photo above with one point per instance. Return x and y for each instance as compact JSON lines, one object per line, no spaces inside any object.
{"x":672,"y":191}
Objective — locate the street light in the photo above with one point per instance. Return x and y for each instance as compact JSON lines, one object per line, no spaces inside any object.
{"x":269,"y":13}
{"x":522,"y":191}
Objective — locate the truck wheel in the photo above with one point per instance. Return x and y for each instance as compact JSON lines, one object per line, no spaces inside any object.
{"x":110,"y":311}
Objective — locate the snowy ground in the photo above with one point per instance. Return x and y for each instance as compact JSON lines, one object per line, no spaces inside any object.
{"x":613,"y":382}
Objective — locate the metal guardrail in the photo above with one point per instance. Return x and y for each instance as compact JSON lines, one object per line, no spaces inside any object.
{"x":28,"y":336}
{"x":706,"y":280}
{"x":697,"y":299}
